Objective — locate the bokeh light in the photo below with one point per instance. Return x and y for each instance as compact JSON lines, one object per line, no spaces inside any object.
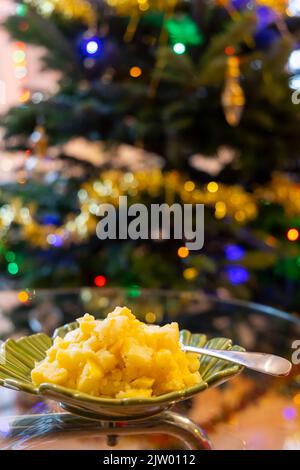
{"x":190,"y":274}
{"x":189,"y":186}
{"x":237,"y":274}
{"x":100,"y":281}
{"x":183,"y":252}
{"x":212,"y":187}
{"x":179,"y":48}
{"x":13,"y":268}
{"x":296,"y":399}
{"x":150,"y":317}
{"x":92,"y":47}
{"x":23,"y":296}
{"x":289,"y":413}
{"x":234,"y":252}
{"x":135,"y":72}
{"x":293,"y":234}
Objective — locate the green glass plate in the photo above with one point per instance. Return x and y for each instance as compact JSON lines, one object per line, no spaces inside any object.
{"x":18,"y":358}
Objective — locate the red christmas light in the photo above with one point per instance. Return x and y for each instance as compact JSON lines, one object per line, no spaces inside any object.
{"x":100,"y":281}
{"x":229,"y":50}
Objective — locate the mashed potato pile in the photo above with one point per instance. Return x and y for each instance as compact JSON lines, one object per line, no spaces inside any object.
{"x":119,"y":357}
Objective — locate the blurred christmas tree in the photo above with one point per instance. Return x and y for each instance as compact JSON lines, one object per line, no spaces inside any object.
{"x":202,"y":83}
{"x":153,"y":74}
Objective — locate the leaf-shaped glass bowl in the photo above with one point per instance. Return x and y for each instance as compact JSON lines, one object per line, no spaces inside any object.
{"x":18,"y":358}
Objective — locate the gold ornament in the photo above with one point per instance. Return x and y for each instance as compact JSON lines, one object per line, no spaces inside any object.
{"x":132,"y":7}
{"x":233,"y":98}
{"x":39,"y":141}
{"x":230,"y":201}
{"x":282,"y":191}
{"x":70,"y":9}
{"x":226,"y":201}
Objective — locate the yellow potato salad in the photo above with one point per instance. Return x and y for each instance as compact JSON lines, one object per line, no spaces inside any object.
{"x":119,"y":357}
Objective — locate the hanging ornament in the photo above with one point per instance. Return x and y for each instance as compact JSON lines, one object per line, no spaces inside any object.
{"x":233,"y":98}
{"x":39,"y":141}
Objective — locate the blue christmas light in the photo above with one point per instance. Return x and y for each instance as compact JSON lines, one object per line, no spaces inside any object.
{"x":91,"y":46}
{"x":237,"y":274}
{"x":55,"y":240}
{"x":50,"y":219}
{"x":240,"y":4}
{"x":234,"y":252}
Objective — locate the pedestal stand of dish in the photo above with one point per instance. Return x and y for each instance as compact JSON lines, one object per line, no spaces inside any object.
{"x":168,"y":422}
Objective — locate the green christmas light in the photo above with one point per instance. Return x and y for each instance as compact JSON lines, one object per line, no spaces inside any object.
{"x":184,"y":30}
{"x":13,"y":268}
{"x":21,"y":9}
{"x":179,"y":48}
{"x":134,"y":291}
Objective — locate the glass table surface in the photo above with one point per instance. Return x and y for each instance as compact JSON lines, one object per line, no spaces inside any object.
{"x":251,"y":411}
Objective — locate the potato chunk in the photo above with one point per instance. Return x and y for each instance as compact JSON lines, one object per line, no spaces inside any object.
{"x":119,"y":357}
{"x":49,"y":372}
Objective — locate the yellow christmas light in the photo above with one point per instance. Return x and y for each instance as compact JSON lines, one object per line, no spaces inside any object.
{"x":189,"y":186}
{"x":190,"y":274}
{"x":220,"y":210}
{"x":150,"y":317}
{"x":212,"y":187}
